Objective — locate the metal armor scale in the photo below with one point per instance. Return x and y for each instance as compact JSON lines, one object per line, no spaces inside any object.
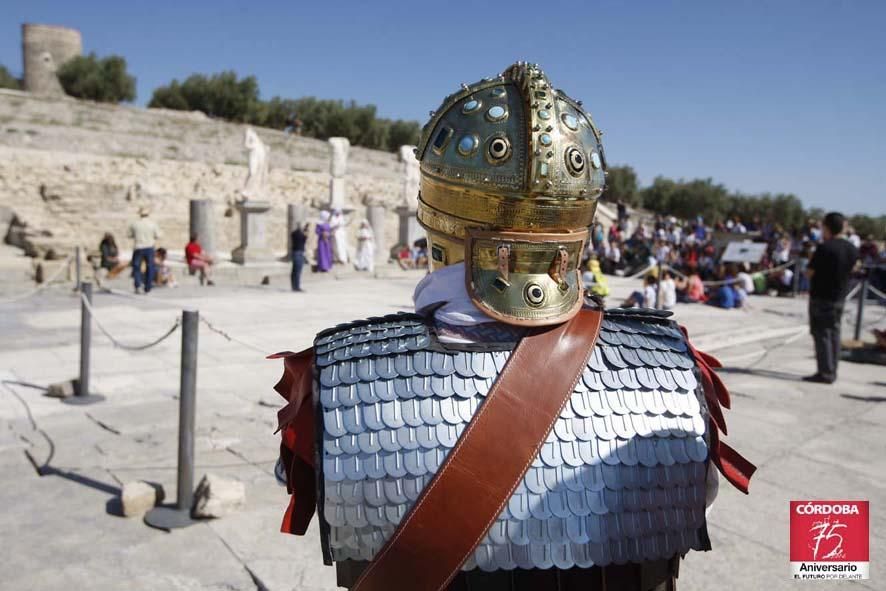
{"x":620,"y":478}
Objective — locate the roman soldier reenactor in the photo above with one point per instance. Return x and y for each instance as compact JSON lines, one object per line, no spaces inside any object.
{"x":509,"y":434}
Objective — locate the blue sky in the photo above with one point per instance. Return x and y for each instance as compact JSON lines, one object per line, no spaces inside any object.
{"x":781,"y":96}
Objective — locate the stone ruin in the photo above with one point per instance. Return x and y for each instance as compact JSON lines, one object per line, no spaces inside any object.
{"x":72,"y":170}
{"x":44,"y":49}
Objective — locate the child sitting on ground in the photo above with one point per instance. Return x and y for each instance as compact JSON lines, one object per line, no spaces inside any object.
{"x":164,"y":273}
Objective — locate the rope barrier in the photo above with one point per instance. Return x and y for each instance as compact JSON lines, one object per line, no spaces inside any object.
{"x":232,"y":339}
{"x":726,"y":281}
{"x":120,"y":345}
{"x":801,"y":331}
{"x":227,"y":336}
{"x":877,"y":292}
{"x":639,"y":274}
{"x":42,"y":286}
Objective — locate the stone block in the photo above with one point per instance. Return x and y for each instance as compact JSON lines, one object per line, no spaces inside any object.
{"x":217,"y":496}
{"x":139,"y":497}
{"x":61,"y":389}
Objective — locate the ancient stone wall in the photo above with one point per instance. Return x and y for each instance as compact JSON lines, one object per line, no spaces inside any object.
{"x":44,"y":49}
{"x":76,"y":169}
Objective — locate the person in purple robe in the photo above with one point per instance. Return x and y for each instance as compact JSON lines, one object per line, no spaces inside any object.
{"x":324,"y":243}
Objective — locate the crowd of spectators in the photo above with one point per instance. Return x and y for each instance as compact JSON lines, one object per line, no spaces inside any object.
{"x":689,"y":251}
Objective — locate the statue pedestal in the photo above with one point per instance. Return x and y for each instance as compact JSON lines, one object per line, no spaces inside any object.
{"x":253,"y":233}
{"x":410,"y":230}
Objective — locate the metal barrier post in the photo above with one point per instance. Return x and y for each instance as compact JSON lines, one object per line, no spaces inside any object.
{"x":81,"y":392}
{"x":179,"y":515}
{"x":862,"y":294}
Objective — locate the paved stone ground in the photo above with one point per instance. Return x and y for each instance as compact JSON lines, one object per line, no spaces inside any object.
{"x":61,"y":531}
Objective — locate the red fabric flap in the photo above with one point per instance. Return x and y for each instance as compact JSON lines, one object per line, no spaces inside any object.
{"x":296,"y":420}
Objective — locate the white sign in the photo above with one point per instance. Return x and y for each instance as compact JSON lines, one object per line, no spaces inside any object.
{"x":744,"y":252}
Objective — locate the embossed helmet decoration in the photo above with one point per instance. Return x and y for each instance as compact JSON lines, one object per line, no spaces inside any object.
{"x":511,"y":170}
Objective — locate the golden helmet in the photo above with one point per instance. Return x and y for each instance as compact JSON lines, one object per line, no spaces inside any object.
{"x":511,"y":170}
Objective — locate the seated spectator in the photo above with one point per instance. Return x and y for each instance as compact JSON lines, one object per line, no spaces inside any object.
{"x":759,"y":282}
{"x":161,"y":268}
{"x":198,"y":261}
{"x":668,"y":291}
{"x":645,"y":298}
{"x":109,"y":254}
{"x":724,"y":297}
{"x":695,"y":288}
{"x":741,"y":296}
{"x":744,"y":280}
{"x":404,"y":257}
{"x":109,"y":257}
{"x":420,"y":257}
{"x":613,"y":257}
{"x":594,"y":280}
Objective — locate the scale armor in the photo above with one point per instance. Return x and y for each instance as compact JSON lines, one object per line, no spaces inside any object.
{"x":620,"y":478}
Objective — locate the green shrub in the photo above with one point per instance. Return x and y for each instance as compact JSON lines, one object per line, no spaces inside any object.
{"x":7,"y":80}
{"x":225,"y":96}
{"x":104,"y":80}
{"x":221,"y":95}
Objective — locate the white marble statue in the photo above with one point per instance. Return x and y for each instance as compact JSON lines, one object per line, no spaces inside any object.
{"x":256,"y":184}
{"x":338,"y":226}
{"x":411,"y":177}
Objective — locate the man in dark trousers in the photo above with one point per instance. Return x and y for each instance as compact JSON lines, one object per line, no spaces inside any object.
{"x":829,"y":272}
{"x":297,"y":241}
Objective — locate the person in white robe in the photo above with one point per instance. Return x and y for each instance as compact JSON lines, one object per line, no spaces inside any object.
{"x":339,"y":237}
{"x":365,"y":260}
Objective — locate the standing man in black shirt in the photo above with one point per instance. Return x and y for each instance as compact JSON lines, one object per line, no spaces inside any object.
{"x":297,"y":241}
{"x":829,"y":272}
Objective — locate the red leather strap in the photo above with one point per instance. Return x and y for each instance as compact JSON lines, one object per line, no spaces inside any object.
{"x":480,"y":474}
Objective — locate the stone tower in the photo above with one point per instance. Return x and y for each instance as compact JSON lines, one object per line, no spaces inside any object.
{"x":45,"y":48}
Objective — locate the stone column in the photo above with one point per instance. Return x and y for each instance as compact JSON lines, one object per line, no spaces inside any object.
{"x":411,"y":177}
{"x":202,"y":224}
{"x":338,"y":149}
{"x":253,"y":233}
{"x":410,"y":230}
{"x":296,"y":215}
{"x":376,"y":215}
